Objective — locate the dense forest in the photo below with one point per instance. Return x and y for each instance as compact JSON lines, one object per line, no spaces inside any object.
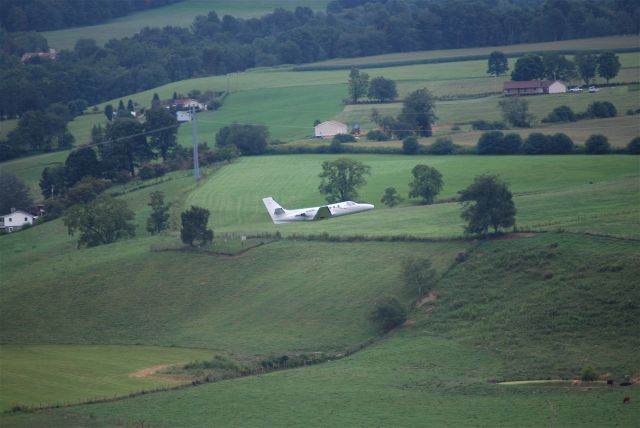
{"x":348,"y":28}
{"x":46,"y":15}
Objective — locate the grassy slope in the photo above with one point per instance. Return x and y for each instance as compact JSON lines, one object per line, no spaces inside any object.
{"x":496,"y":318}
{"x":180,"y":15}
{"x":609,"y":205}
{"x":33,"y":375}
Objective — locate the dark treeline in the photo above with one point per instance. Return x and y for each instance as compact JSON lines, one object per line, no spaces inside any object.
{"x":46,"y":15}
{"x":348,"y":28}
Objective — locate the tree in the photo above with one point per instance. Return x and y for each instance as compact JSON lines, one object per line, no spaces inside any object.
{"x":608,"y":65}
{"x":341,"y":178}
{"x":164,"y":127}
{"x":391,"y":197}
{"x":597,"y":144}
{"x":528,"y":67}
{"x":388,"y":313}
{"x":102,"y":221}
{"x":13,"y":194}
{"x":561,"y":114}
{"x":487,"y":202}
{"x":497,"y":64}
{"x":155,"y":101}
{"x":516,"y":111}
{"x":496,"y":143}
{"x":634,"y":146}
{"x":602,"y":109}
{"x":82,"y":162}
{"x":248,"y":139}
{"x":358,"y":84}
{"x":382,"y":89}
{"x":410,"y":145}
{"x":587,"y":65}
{"x":52,"y":181}
{"x":108,"y":112}
{"x":127,"y":146}
{"x":194,"y":227}
{"x":535,"y":144}
{"x":560,"y":144}
{"x":427,"y":183}
{"x":159,"y":218}
{"x":418,"y":274}
{"x":418,"y":112}
{"x":557,"y":67}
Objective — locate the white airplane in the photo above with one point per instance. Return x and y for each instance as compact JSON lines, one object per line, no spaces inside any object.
{"x":280,"y":215}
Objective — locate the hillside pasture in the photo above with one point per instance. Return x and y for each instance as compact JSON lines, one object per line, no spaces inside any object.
{"x":35,"y":375}
{"x":179,"y":14}
{"x":531,"y":308}
{"x":233,"y":194}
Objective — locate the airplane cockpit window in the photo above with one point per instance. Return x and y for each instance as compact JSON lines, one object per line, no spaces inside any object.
{"x":350,"y":204}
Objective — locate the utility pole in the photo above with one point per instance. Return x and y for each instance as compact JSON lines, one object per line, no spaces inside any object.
{"x":196,"y":161}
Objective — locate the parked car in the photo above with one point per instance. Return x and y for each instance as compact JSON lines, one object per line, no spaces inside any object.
{"x":575,"y":89}
{"x":593,"y":89}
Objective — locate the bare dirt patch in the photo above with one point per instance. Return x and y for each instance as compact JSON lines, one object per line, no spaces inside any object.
{"x":152,"y":372}
{"x":515,"y":235}
{"x":432,"y":296}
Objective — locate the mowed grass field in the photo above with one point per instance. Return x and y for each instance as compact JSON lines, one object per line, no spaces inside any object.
{"x":178,"y":15}
{"x":523,"y":309}
{"x":48,"y":374}
{"x":585,"y":193}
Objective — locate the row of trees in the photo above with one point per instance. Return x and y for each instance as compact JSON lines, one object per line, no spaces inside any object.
{"x":557,"y":67}
{"x":379,"y":88}
{"x":416,"y":117}
{"x":218,"y":46}
{"x":46,"y":15}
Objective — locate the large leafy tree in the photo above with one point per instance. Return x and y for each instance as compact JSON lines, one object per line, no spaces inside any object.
{"x":248,"y":139}
{"x":529,"y":67}
{"x":487,"y":202}
{"x":81,"y":163}
{"x":382,"y":89}
{"x":558,"y":67}
{"x":194,"y":227}
{"x":587,"y":66}
{"x":341,"y":178}
{"x":13,"y":193}
{"x":608,"y":65}
{"x":497,"y":63}
{"x":159,"y":218}
{"x":427,"y":183}
{"x":52,"y":181}
{"x":126,"y":146}
{"x":515,"y":110}
{"x":358,"y":84}
{"x":163,"y":126}
{"x":101,"y":221}
{"x":418,"y":274}
{"x":418,"y":111}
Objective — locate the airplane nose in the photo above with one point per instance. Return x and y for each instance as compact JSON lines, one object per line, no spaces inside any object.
{"x":369,"y":206}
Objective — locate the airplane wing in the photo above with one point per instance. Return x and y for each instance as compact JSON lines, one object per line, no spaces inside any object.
{"x":323,"y":212}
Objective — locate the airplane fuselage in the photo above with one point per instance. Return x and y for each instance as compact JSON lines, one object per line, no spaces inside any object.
{"x":280,"y":215}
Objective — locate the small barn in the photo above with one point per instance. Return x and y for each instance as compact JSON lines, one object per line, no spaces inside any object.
{"x":330,"y":128}
{"x":533,"y":87}
{"x":16,"y":220}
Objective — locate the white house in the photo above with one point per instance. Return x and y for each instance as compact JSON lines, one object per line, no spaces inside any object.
{"x":330,"y":128}
{"x":557,"y":87}
{"x":15,"y":220}
{"x":187,"y":103}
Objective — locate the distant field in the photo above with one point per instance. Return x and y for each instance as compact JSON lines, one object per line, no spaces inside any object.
{"x":47,"y":374}
{"x":596,"y":43}
{"x":532,"y":308}
{"x":179,"y":15}
{"x":234,"y":194}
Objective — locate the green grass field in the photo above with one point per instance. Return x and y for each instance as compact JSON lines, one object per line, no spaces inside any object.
{"x":179,"y":15}
{"x":233,"y":195}
{"x":45,"y":374}
{"x":506,"y":313}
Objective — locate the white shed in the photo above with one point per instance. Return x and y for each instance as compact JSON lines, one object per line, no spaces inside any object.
{"x":15,"y":220}
{"x":330,"y":128}
{"x":557,"y":87}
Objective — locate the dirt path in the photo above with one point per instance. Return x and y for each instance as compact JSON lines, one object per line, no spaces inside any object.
{"x":515,"y":235}
{"x":150,"y":371}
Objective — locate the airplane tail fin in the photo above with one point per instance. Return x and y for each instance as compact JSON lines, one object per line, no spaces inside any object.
{"x":275,"y":210}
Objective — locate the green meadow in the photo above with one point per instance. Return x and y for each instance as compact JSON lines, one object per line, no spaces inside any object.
{"x":505,"y":313}
{"x":179,"y":14}
{"x":605,"y":188}
{"x":44,"y":374}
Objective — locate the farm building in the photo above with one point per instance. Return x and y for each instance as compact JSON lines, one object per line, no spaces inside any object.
{"x":15,"y":220}
{"x":187,"y":103}
{"x":534,"y":87}
{"x":330,"y":128}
